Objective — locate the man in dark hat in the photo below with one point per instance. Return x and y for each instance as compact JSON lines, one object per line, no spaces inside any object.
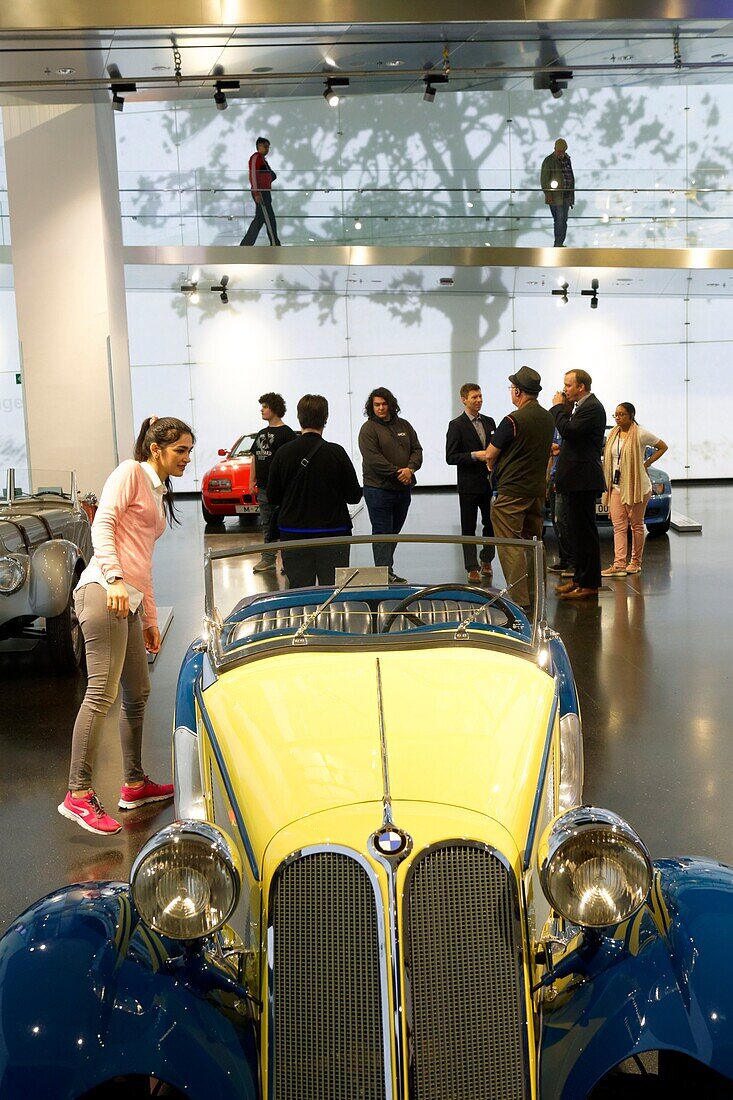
{"x":261,"y":178}
{"x":517,"y":456}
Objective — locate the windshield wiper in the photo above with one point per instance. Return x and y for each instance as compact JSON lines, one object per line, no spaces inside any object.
{"x":299,"y":637}
{"x":462,"y":633}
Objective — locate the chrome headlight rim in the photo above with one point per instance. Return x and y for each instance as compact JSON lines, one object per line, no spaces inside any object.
{"x":219,"y":848}
{"x":18,"y":568}
{"x":576,"y":825}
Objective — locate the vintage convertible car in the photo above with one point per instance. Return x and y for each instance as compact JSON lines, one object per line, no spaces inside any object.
{"x":382,"y":884}
{"x":45,"y":542}
{"x":228,"y":489}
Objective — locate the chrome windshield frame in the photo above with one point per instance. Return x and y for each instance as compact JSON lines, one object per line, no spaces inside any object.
{"x":214,"y":622}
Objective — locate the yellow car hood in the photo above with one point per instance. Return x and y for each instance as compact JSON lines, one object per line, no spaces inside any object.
{"x":299,"y":733}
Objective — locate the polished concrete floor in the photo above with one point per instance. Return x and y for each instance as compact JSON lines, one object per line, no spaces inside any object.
{"x":651,"y":658}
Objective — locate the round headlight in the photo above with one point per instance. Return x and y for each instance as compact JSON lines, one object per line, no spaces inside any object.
{"x":186,"y":880}
{"x":12,"y":574}
{"x":595,"y":870}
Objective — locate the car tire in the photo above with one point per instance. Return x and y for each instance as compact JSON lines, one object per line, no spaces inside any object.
{"x":64,"y":637}
{"x":654,"y":530}
{"x":210,"y":518}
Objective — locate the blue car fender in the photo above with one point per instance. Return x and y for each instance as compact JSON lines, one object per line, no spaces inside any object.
{"x":89,"y":993}
{"x":566,"y":681}
{"x":190,"y":671}
{"x":662,"y":981}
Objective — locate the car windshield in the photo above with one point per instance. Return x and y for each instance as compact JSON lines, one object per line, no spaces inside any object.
{"x":252,"y":611}
{"x":242,"y":447}
{"x":21,"y":484}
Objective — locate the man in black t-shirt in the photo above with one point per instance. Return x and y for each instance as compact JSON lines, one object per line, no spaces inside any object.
{"x":312,"y":482}
{"x":266,"y":443}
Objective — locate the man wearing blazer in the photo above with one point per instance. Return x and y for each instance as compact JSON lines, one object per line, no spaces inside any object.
{"x":466,"y":441}
{"x":580,"y":419}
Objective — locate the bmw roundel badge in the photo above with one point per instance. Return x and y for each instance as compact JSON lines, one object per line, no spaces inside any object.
{"x":390,"y":841}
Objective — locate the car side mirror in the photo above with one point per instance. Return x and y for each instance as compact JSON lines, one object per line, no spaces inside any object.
{"x":222,"y":452}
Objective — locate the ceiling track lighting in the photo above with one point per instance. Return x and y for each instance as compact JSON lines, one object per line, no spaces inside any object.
{"x":558,"y":82}
{"x":592,"y":294}
{"x":118,"y":89}
{"x":221,"y":289}
{"x":562,"y":294}
{"x":190,"y":291}
{"x":430,"y":81}
{"x":330,"y":96}
{"x":222,"y":86}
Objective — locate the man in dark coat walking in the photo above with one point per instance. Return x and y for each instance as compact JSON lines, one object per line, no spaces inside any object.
{"x":580,"y":418}
{"x":466,"y":441}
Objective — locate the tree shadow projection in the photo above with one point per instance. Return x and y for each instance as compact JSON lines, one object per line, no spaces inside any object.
{"x":407,"y":171}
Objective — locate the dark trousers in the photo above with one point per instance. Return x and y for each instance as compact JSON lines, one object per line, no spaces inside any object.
{"x":559,"y":513}
{"x":264,"y":215}
{"x":471,"y":504}
{"x":585,"y":545}
{"x":268,"y":522}
{"x":317,"y":565}
{"x":387,"y":511}
{"x":560,"y":218}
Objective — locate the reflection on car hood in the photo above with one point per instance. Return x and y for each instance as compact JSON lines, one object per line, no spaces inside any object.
{"x":299,"y":733}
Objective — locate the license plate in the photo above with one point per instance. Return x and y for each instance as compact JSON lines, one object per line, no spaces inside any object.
{"x":602,"y":509}
{"x":240,"y":508}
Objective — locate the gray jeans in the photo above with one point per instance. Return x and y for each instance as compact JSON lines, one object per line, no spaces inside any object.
{"x":115,"y":656}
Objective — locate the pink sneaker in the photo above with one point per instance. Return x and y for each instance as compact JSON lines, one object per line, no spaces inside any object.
{"x":132,"y":797}
{"x":89,"y":813}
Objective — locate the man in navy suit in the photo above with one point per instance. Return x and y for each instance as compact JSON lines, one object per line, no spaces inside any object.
{"x":466,"y":441}
{"x":580,"y":419}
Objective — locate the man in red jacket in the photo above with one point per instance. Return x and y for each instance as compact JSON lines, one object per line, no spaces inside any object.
{"x":261,"y":177}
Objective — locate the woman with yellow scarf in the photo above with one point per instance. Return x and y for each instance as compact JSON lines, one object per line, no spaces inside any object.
{"x":628,"y":486}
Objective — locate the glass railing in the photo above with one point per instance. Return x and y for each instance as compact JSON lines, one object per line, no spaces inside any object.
{"x":467,"y":209}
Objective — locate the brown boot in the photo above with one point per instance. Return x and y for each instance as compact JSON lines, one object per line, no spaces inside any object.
{"x":580,"y":594}
{"x":568,"y":586}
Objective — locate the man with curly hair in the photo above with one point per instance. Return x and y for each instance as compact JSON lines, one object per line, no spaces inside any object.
{"x":264,"y":446}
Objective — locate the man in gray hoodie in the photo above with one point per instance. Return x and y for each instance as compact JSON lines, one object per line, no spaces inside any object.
{"x":391,"y":454}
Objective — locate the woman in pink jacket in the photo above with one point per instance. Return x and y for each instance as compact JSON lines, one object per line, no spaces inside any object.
{"x":116,"y":611}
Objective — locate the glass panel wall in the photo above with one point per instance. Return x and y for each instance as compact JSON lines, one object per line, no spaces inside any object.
{"x":341,"y":333}
{"x":653,"y":168}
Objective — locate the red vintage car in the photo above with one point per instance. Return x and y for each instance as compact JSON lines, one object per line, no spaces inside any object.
{"x":229,"y":489}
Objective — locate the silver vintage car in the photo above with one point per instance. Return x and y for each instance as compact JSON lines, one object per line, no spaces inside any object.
{"x":45,"y":543}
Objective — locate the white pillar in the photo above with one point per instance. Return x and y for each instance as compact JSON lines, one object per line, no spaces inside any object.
{"x":69,"y":287}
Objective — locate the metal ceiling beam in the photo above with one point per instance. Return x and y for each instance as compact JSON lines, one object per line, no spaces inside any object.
{"x":80,"y":15}
{"x":664,"y":259}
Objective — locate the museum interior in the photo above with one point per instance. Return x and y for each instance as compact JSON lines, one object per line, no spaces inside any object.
{"x":415,"y":253}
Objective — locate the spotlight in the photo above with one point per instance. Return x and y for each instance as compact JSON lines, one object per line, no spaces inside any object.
{"x":430,"y":80}
{"x":118,"y":103}
{"x":191,"y":291}
{"x":592,"y":294}
{"x":221,"y":289}
{"x":220,"y":87}
{"x":555,"y":81}
{"x":357,"y":223}
{"x":331,"y":97}
{"x":562,"y":294}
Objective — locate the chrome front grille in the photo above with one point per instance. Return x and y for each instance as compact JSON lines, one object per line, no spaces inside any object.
{"x":463,"y":963}
{"x":326,"y":1021}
